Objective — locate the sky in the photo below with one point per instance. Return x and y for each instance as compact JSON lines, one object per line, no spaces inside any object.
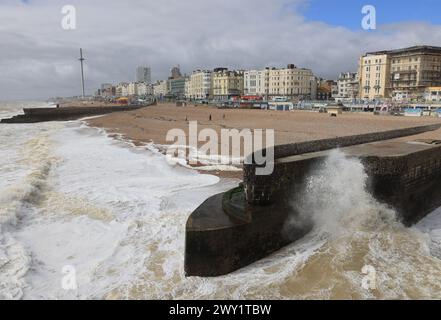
{"x":345,"y":12}
{"x":38,"y":58}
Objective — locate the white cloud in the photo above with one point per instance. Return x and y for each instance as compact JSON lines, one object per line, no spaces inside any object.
{"x":39,"y":59}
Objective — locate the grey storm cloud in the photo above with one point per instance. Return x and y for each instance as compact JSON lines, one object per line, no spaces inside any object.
{"x":38,"y":59}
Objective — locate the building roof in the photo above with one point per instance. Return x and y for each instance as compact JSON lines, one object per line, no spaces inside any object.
{"x":408,"y":49}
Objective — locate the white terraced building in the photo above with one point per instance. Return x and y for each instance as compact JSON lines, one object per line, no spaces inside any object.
{"x":160,"y":88}
{"x":256,"y":82}
{"x":290,"y":82}
{"x":199,"y":85}
{"x":348,"y":86}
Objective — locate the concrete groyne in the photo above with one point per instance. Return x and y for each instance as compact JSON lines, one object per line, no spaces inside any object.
{"x":32,"y":115}
{"x":231,"y":230}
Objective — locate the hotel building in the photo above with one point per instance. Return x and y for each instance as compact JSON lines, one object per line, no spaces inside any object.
{"x":227,"y":83}
{"x":292,"y":83}
{"x":199,"y":85}
{"x":374,"y":76}
{"x":401,"y":73}
{"x":256,"y":82}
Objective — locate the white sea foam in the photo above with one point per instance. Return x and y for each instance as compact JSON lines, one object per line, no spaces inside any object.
{"x":336,"y":196}
{"x":24,"y":164}
{"x":98,"y":205}
{"x":177,"y":155}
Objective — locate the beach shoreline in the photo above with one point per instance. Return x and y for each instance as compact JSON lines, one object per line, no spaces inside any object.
{"x":149,"y":126}
{"x":199,"y":167}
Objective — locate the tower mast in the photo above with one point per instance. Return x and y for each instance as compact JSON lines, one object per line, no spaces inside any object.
{"x":81,"y":59}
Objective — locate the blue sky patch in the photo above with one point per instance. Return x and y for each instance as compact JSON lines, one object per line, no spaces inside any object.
{"x":347,"y":13}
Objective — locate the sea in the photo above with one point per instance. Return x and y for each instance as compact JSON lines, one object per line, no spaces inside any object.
{"x":87,"y":216}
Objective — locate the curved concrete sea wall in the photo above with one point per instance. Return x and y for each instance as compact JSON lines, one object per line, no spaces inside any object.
{"x":231,"y":230}
{"x":409,"y":183}
{"x":32,"y":115}
{"x":262,"y":190}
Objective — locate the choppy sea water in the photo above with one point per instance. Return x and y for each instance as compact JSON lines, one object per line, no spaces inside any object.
{"x":71,"y":198}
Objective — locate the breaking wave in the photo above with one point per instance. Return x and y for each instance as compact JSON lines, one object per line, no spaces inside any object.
{"x":24,"y":168}
{"x":358,"y":231}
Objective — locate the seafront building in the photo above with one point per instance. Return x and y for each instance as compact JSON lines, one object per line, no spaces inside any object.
{"x":132,"y":89}
{"x":408,"y":74}
{"x":347,"y":86}
{"x":256,"y":82}
{"x":252,"y":82}
{"x":414,"y":69}
{"x":263,"y":80}
{"x":187,"y":89}
{"x":251,"y":78}
{"x":433,"y":94}
{"x":122,"y":89}
{"x":144,"y":89}
{"x":160,"y":88}
{"x":292,"y":83}
{"x":227,"y":84}
{"x":199,"y":85}
{"x":399,"y":74}
{"x":375,"y":74}
{"x":222,"y":84}
{"x":176,"y":87}
{"x":326,"y":89}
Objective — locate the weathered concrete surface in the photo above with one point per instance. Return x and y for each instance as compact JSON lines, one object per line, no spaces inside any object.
{"x":33,"y":115}
{"x":287,"y":150}
{"x":260,"y":189}
{"x":232,"y":230}
{"x":218,"y":243}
